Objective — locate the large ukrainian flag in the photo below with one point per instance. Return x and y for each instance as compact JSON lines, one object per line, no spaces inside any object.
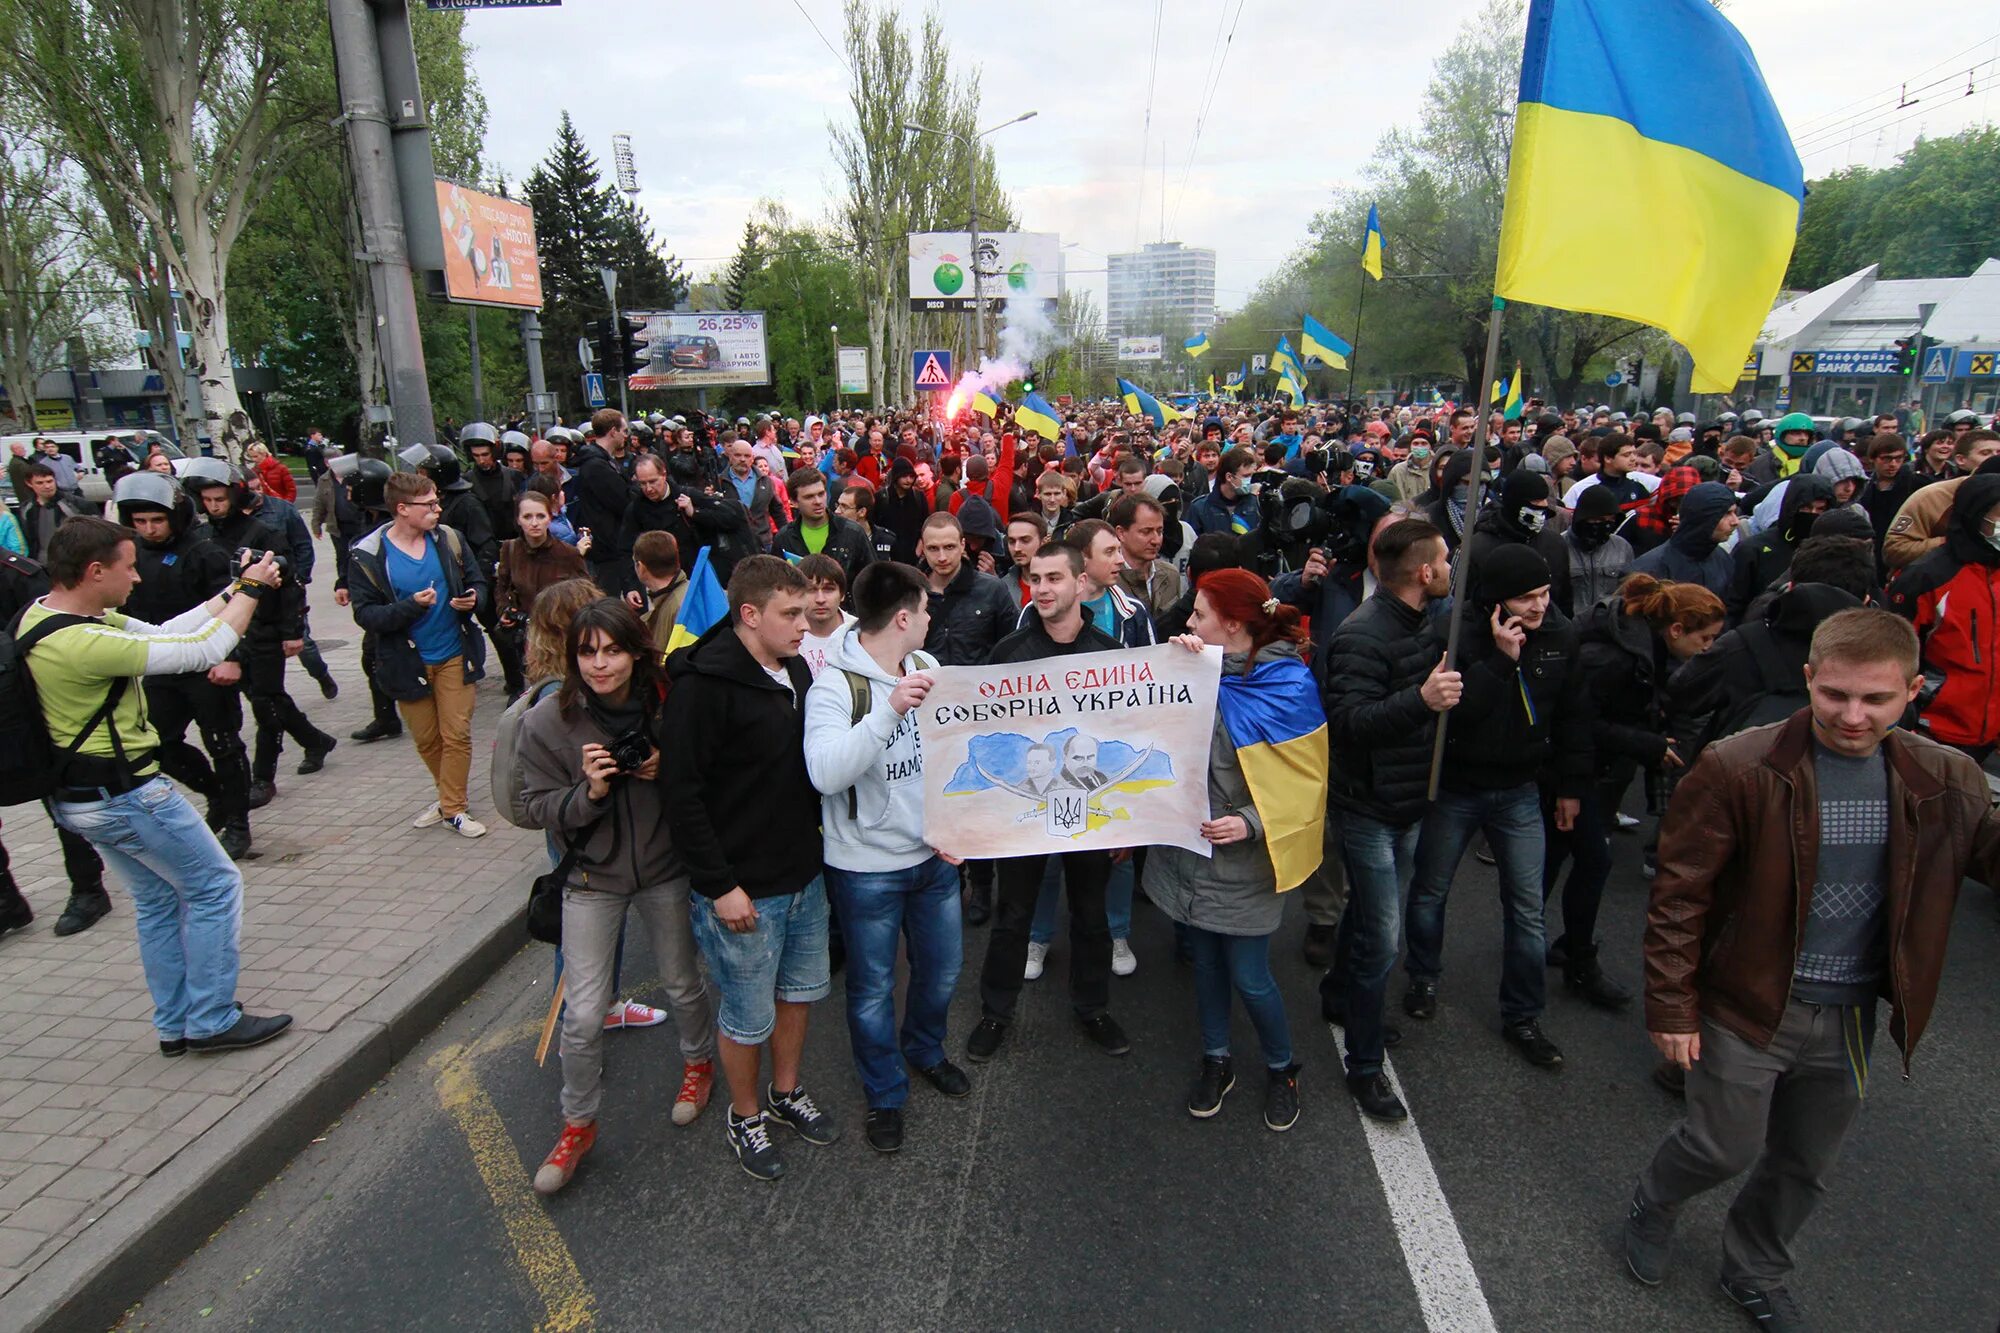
{"x":1036,"y":415}
{"x":1593,"y":106}
{"x":1274,"y":719}
{"x":1140,"y":403}
{"x":704,"y":604}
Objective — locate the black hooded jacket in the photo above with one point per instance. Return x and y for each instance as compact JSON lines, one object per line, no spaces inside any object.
{"x":742,"y":807}
{"x":1762,"y":562}
{"x":1757,"y":669}
{"x":178,"y":576}
{"x":497,"y":491}
{"x":1523,"y":720}
{"x":1497,"y":528}
{"x":598,"y":496}
{"x":1379,"y":727}
{"x":1691,"y":555}
{"x":1624,"y":666}
{"x":277,"y":618}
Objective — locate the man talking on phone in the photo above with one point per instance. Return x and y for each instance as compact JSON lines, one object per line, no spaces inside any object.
{"x":416,"y":586}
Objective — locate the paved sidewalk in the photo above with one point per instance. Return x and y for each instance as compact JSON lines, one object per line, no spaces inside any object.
{"x":344,"y":900}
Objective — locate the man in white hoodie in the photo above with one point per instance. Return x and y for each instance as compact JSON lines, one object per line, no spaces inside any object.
{"x":888,"y":884}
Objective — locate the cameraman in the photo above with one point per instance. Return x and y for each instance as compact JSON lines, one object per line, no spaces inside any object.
{"x":590,"y":760}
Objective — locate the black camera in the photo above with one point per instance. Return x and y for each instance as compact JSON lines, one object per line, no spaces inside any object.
{"x":250,"y":555}
{"x":631,"y":750}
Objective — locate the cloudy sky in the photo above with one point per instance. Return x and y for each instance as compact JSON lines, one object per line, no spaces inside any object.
{"x":730,"y":102}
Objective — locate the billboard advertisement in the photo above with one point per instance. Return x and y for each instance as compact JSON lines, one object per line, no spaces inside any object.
{"x":1010,"y":266}
{"x":716,"y":349}
{"x":1146,"y":348}
{"x":489,"y":249}
{"x":854,"y":370}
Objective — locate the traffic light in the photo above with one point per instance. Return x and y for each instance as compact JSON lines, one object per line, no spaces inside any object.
{"x":632,"y":344}
{"x":1028,"y":381}
{"x":1906,"y":356}
{"x":605,"y":344}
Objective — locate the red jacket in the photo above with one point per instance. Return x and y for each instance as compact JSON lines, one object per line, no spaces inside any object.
{"x":277,"y":478}
{"x":1952,"y":596}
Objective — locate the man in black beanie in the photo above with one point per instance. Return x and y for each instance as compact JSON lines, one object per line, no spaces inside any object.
{"x":1517,"y":745}
{"x":1524,"y":516}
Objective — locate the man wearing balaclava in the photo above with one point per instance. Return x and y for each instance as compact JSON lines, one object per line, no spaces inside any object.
{"x":1524,"y":516}
{"x":1761,"y":563}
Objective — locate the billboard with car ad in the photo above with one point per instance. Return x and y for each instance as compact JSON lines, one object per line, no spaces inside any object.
{"x":1012,"y":266}
{"x":1144,"y":348}
{"x":489,"y":249}
{"x":716,"y":349}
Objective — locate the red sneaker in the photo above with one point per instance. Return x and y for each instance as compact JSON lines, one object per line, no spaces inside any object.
{"x":697,"y":1082}
{"x":632,"y":1014}
{"x":561,"y":1162}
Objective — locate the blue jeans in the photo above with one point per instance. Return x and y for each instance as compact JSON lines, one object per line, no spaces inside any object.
{"x":1241,"y":963}
{"x":1379,"y":859}
{"x":1512,"y":820}
{"x":187,"y":896}
{"x":877,"y":910}
{"x":1117,"y":902}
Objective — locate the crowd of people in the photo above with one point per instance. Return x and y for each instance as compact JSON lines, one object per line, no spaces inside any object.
{"x":1786,"y":635}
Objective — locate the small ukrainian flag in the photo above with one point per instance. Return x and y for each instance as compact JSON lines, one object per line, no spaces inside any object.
{"x":1196,"y":346}
{"x":1316,"y":340}
{"x":704,"y":605}
{"x":1371,"y":246}
{"x":1138,"y":402}
{"x":1036,"y":415}
{"x":985,"y":403}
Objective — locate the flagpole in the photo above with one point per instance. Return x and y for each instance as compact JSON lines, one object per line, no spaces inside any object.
{"x":1461,"y":582}
{"x":1358,"y":300}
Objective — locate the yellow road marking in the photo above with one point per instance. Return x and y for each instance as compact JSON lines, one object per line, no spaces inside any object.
{"x":539,"y":1249}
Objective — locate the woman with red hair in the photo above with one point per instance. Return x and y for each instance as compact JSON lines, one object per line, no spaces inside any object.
{"x":1267,"y":765}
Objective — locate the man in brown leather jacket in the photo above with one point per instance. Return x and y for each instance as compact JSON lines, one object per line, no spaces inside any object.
{"x":1806,"y":869}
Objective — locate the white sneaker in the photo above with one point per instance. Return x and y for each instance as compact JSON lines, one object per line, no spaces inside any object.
{"x":1123,"y":961}
{"x":465,"y":826}
{"x":632,"y":1014}
{"x":431,"y":816}
{"x":1038,"y":954}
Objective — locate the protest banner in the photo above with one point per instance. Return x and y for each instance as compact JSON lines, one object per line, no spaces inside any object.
{"x":1068,"y":754}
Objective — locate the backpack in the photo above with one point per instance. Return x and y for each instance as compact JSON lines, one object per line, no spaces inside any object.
{"x":506,"y":771}
{"x":861,"y":698}
{"x":30,"y":765}
{"x":1781,"y":686}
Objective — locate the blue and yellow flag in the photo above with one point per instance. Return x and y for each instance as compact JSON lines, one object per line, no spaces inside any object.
{"x":1274,"y":718}
{"x":1513,"y":399}
{"x":1232,"y":382}
{"x":1592,"y":105}
{"x":1138,"y":401}
{"x":985,"y":403}
{"x":1196,"y":346}
{"x":1036,"y":415}
{"x":1283,"y":358}
{"x":704,"y":605}
{"x":1371,"y":246}
{"x":1316,"y":340}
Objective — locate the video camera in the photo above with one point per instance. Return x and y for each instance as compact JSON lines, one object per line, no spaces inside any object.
{"x":250,"y":555}
{"x":1338,"y":522}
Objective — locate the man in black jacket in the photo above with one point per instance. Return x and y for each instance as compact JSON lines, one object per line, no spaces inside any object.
{"x":970,"y":611}
{"x":276,"y":633}
{"x":1386,"y":682}
{"x":1523,"y":717}
{"x":817,"y":532}
{"x":1524,"y":515}
{"x":179,"y":569}
{"x":745,"y":819}
{"x":598,"y":494}
{"x":902,"y":509}
{"x":496,"y":486}
{"x":1057,"y":624}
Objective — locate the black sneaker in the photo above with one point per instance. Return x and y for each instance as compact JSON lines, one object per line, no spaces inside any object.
{"x":1319,"y":945}
{"x":1281,"y":1098}
{"x":1337,"y":1018}
{"x":15,"y":914}
{"x":86,"y":907}
{"x":316,"y":755}
{"x":948,"y":1079}
{"x":796,"y":1108}
{"x":1526,"y":1037}
{"x":1772,"y":1309}
{"x":378,"y":730}
{"x":262,"y":794}
{"x":750,"y":1136}
{"x":1211,"y":1085}
{"x":328,"y":686}
{"x":1649,"y":1241}
{"x":234,"y":835}
{"x":978,"y":904}
{"x":884,"y":1128}
{"x":985,"y":1039}
{"x":1420,"y":1001}
{"x":1558,"y":954}
{"x":1587,"y":979}
{"x":1104,"y":1030}
{"x":249,"y":1030}
{"x":1375,"y":1096}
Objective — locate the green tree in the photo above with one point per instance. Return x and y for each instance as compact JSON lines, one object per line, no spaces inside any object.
{"x":1931,"y":215}
{"x":803,"y":280}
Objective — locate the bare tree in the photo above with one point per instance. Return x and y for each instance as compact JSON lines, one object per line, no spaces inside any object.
{"x":49,"y":287}
{"x":169,"y":109}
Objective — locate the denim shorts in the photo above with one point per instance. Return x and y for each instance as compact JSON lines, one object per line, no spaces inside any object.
{"x":784,"y":958}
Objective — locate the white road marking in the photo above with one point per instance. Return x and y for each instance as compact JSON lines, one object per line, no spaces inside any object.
{"x":1447,"y":1286}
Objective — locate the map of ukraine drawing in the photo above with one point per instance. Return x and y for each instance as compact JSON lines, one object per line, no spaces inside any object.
{"x":1068,"y":779}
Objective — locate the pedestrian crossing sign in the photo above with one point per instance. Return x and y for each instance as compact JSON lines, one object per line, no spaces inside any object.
{"x":1937,"y":366}
{"x":931,"y":370}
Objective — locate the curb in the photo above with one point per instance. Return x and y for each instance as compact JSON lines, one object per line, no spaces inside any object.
{"x":96,"y":1278}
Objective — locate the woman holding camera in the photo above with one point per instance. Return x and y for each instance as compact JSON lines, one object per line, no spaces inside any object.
{"x":590,"y":757}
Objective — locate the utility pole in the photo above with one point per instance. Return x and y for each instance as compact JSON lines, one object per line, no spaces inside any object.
{"x":610,"y":277}
{"x":385,"y":245}
{"x":478,"y":381}
{"x":538,"y":385}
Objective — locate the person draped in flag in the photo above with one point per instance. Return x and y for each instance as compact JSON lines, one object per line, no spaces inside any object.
{"x":1267,"y":803}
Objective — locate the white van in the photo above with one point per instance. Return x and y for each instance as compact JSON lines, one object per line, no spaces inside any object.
{"x":81,"y":447}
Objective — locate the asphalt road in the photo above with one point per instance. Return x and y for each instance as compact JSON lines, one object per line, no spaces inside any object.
{"x":1073,"y":1190}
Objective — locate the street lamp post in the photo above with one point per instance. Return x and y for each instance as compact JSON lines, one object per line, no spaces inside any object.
{"x":971,"y":142}
{"x":839,"y":402}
